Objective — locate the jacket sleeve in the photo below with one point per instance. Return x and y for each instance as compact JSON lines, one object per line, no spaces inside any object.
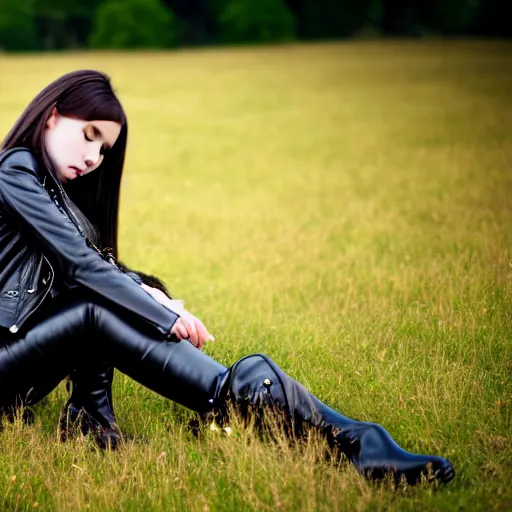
{"x":23,"y":197}
{"x":134,"y":276}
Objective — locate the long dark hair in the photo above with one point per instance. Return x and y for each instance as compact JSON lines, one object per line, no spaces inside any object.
{"x":86,"y":95}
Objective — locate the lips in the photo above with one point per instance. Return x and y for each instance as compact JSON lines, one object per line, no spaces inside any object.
{"x":78,"y":171}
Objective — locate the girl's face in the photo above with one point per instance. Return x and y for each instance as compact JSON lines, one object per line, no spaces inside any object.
{"x":76,"y":147}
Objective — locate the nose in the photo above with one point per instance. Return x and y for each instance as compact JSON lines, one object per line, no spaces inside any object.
{"x":91,"y":159}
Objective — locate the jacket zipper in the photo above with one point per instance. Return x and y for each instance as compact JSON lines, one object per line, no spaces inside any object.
{"x":16,"y":327}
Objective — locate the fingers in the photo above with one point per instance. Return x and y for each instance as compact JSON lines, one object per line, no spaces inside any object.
{"x":179,"y":330}
{"x":202,"y":333}
{"x":190,"y":328}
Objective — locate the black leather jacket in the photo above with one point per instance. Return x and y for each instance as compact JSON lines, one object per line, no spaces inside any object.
{"x":39,"y":241}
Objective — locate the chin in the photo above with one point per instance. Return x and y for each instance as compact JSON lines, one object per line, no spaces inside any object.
{"x":64,"y":176}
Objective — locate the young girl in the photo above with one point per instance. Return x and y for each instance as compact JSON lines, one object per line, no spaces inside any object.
{"x":68,"y":308}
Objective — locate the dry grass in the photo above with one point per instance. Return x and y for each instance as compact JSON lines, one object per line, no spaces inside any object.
{"x":344,"y":208}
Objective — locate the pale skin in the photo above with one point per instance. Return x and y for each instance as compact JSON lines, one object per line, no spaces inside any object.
{"x":77,"y":147}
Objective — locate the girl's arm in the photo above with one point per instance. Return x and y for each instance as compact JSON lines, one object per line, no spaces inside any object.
{"x":188,"y":326}
{"x":23,"y":198}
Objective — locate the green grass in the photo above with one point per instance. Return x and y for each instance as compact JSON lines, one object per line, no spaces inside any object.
{"x":344,"y":208}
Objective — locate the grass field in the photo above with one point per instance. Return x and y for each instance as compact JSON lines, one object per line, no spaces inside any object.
{"x":344,"y":208}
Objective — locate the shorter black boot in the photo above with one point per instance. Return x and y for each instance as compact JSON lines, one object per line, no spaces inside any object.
{"x":89,"y":408}
{"x":256,"y":383}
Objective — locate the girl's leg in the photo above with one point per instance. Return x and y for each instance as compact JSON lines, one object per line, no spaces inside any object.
{"x":258,"y":381}
{"x":184,"y":374}
{"x":89,"y":409}
{"x":82,"y":330}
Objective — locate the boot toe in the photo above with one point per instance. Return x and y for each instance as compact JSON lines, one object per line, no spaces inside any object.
{"x":446,"y":473}
{"x":430,"y":469}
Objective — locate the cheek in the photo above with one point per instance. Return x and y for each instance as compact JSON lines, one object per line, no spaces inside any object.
{"x":52,"y":146}
{"x":60,"y":145}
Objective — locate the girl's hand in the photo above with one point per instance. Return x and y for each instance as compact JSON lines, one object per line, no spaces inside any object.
{"x":190,"y":328}
{"x":187,"y":326}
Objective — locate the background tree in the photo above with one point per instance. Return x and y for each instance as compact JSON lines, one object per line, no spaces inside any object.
{"x":329,"y":18}
{"x":63,"y":24}
{"x":397,"y":17}
{"x":255,"y":21}
{"x":59,"y":24}
{"x":124,"y":24}
{"x":494,"y":18}
{"x":448,"y":16}
{"x":194,"y":21}
{"x":17,"y":25}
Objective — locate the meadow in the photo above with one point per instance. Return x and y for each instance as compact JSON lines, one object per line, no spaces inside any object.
{"x":344,"y":208}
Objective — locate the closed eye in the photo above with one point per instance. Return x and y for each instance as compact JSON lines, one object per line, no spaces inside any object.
{"x":88,"y":136}
{"x":91,"y":134}
{"x":92,"y":137}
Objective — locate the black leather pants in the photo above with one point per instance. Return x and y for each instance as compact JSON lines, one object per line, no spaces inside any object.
{"x":36,"y":362}
{"x":32,"y":365}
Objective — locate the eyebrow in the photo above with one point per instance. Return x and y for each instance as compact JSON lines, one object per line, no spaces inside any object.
{"x":97,"y":133}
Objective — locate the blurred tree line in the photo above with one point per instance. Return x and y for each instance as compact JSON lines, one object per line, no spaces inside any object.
{"x":60,"y":24}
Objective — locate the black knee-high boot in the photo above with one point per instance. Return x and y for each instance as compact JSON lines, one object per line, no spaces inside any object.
{"x":89,"y":409}
{"x":256,"y":382}
{"x":178,"y":371}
